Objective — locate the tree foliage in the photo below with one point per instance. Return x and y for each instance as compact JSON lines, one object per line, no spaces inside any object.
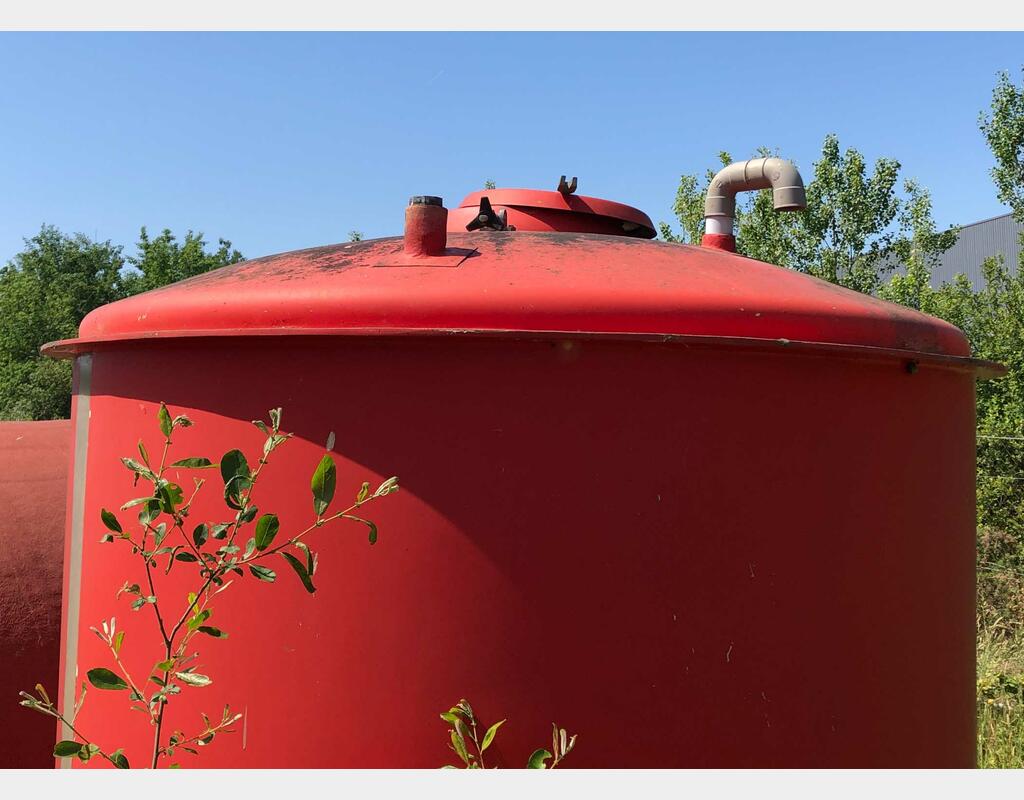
{"x":44,"y":292}
{"x":47,"y":288}
{"x":164,"y":260}
{"x":1003,"y":128}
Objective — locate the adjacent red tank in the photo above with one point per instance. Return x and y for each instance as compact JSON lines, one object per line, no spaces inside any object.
{"x":33,"y":501}
{"x":700,"y":510}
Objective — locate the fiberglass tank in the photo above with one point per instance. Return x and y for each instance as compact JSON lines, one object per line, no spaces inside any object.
{"x":700,"y":510}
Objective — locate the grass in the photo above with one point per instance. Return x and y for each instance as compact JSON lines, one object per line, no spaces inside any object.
{"x":1000,"y":650}
{"x":1000,"y":698}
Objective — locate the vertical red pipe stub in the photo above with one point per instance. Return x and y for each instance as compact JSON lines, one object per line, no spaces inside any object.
{"x":426,"y":225}
{"x":719,"y":241}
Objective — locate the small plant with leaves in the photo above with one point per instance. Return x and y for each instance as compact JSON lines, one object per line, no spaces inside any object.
{"x":470,"y":746}
{"x":215,"y":551}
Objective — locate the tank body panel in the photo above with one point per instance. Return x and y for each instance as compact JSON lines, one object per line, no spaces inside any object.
{"x":690,"y":557}
{"x":33,"y":487}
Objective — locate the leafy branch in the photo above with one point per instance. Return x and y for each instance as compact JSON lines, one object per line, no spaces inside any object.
{"x":163,"y":542}
{"x":470,"y":749}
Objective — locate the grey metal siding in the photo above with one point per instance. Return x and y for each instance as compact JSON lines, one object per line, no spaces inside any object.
{"x":976,"y":242}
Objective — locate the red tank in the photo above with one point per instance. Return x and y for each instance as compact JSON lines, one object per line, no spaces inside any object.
{"x":700,"y":510}
{"x":33,"y":500}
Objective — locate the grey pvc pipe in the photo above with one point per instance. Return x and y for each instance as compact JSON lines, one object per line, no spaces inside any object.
{"x":777,"y":174}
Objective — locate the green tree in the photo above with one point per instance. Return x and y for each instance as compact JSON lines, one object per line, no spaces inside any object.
{"x":993,"y":319}
{"x":44,"y":293}
{"x":689,"y":207}
{"x":164,"y":260}
{"x":1003,"y":128}
{"x":846,"y":232}
{"x":918,"y":251}
{"x":47,"y":288}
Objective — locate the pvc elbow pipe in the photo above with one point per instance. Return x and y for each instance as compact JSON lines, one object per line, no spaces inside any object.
{"x":777,"y":174}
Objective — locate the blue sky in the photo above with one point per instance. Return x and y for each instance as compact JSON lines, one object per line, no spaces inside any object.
{"x":283,"y":141}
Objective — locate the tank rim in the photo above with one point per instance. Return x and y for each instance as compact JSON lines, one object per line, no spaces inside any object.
{"x":983,"y":369}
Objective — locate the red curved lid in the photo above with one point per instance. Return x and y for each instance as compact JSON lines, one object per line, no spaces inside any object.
{"x":518,"y":282}
{"x":538,"y":210}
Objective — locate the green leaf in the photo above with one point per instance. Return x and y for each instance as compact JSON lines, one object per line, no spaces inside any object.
{"x":450,"y":718}
{"x":118,"y":759}
{"x":201,"y":534}
{"x":266,"y":530}
{"x":199,"y":619}
{"x":164,"y":416}
{"x":248,"y":515}
{"x":188,"y":557}
{"x":364,"y":492}
{"x":194,"y":463}
{"x":262,"y":573}
{"x":387,"y":487}
{"x":209,"y":630}
{"x":193,"y":678}
{"x":110,"y":521}
{"x":107,"y":537}
{"x":150,"y":511}
{"x":163,"y":666}
{"x":322,"y":484}
{"x":103,"y":678}
{"x":489,"y":736}
{"x":233,"y":465}
{"x":368,"y":524}
{"x":300,"y":570}
{"x":66,"y":748}
{"x":233,"y":491}
{"x":135,"y":502}
{"x":459,"y":746}
{"x":275,"y":418}
{"x":537,"y":759}
{"x":135,"y":466}
{"x":118,"y":641}
{"x":310,"y":557}
{"x":170,"y":496}
{"x":87,"y":752}
{"x":159,"y":534}
{"x":262,"y":426}
{"x":220,"y":530}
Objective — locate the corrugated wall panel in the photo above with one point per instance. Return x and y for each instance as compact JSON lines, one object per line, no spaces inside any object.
{"x":976,"y":243}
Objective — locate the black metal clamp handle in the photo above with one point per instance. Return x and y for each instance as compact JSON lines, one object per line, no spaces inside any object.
{"x":490,"y":219}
